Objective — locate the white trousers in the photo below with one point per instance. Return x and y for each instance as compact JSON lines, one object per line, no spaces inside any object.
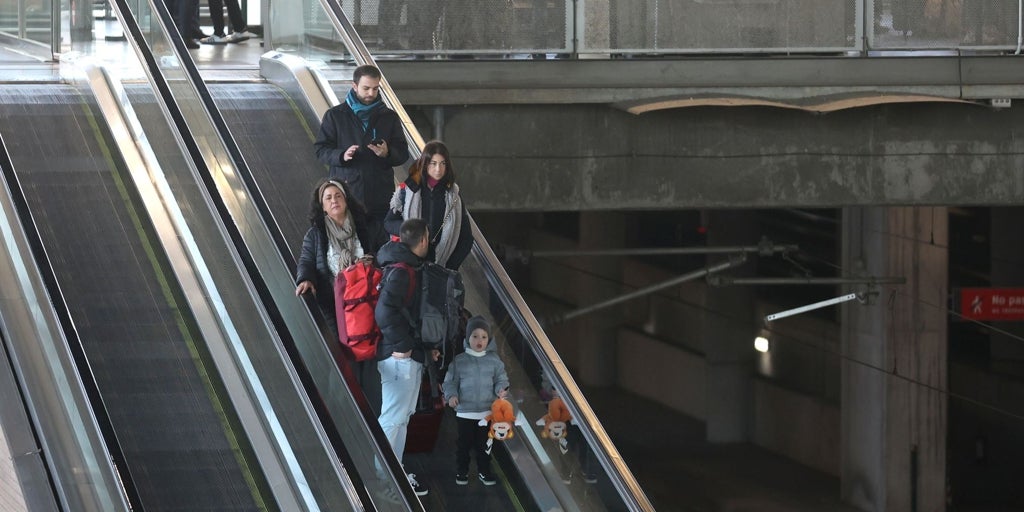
{"x":400,"y":386}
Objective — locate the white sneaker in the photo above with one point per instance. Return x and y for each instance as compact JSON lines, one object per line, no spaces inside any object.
{"x":390,"y":495}
{"x":416,"y":487}
{"x":236,"y":37}
{"x":214,"y":39}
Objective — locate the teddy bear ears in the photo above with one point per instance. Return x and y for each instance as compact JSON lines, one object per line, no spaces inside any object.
{"x":501,"y":410}
{"x":558,"y":410}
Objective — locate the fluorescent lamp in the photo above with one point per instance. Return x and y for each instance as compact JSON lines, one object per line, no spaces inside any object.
{"x":761,"y":344}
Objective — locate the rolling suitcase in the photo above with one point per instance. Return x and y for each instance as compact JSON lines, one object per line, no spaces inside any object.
{"x":425,"y":423}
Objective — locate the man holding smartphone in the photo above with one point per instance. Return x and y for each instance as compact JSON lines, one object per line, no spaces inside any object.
{"x":361,"y":140}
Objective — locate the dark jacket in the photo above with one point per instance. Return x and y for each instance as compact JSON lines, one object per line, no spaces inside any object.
{"x":399,"y":333}
{"x":433,"y":210}
{"x":312,"y":266}
{"x":371,"y":177}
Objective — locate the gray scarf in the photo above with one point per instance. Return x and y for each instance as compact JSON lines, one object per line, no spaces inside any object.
{"x":451,"y":226}
{"x":343,"y":247}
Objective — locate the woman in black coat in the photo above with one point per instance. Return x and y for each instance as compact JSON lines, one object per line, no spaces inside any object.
{"x":337,"y":237}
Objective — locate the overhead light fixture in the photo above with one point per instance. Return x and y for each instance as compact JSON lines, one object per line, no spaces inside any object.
{"x":809,"y":307}
{"x":761,"y":344}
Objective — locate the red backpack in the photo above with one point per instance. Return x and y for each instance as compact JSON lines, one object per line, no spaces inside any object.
{"x":355,"y":296}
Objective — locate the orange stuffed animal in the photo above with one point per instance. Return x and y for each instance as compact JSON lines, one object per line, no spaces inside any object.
{"x":556,"y":423}
{"x":502,"y":418}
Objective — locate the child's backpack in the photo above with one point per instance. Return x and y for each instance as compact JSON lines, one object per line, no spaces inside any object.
{"x":355,"y":296}
{"x":441,"y":297}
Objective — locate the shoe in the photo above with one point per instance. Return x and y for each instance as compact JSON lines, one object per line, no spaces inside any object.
{"x":487,"y":479}
{"x":416,"y":487}
{"x":590,"y":478}
{"x":238,"y":37}
{"x":191,"y":44}
{"x":461,"y":478}
{"x":198,"y":34}
{"x":391,"y":496}
{"x":214,"y":39}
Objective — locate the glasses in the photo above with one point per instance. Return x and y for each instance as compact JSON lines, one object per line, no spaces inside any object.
{"x":442,"y":163}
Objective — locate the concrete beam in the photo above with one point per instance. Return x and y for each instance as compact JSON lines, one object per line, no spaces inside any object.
{"x":595,"y":157}
{"x":811,"y":83}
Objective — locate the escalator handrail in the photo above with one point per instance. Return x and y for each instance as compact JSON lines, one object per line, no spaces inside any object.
{"x":258,"y":200}
{"x":59,"y":307}
{"x":528,"y":324}
{"x":622,"y":477}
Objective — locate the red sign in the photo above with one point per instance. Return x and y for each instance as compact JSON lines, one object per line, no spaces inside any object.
{"x":992,"y":303}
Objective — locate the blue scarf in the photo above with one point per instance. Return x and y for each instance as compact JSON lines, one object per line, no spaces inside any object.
{"x":362,"y":111}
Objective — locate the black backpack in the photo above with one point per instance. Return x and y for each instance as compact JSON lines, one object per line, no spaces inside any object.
{"x":442,"y":295}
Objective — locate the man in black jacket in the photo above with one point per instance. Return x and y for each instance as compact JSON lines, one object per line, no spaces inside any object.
{"x":361,"y":140}
{"x":400,"y":354}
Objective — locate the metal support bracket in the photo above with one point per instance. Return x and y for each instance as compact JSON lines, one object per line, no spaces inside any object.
{"x":733,"y":261}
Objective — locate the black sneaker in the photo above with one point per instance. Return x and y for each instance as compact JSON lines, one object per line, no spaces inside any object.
{"x":590,"y":478}
{"x":416,"y":487}
{"x":487,"y":479}
{"x":462,"y":478}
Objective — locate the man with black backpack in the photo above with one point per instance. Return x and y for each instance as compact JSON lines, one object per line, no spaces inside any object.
{"x":401,"y":354}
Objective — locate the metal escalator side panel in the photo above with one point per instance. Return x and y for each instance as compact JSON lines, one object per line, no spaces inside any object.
{"x":71,"y":462}
{"x":294,"y":76}
{"x":220,"y":336}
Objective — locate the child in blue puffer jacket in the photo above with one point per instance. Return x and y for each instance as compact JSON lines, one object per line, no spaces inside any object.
{"x":474,"y":380}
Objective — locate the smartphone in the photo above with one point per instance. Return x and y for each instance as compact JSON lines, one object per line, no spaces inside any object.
{"x":377,"y":142}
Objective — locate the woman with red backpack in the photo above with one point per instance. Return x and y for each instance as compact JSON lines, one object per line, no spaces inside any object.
{"x":337,"y":238}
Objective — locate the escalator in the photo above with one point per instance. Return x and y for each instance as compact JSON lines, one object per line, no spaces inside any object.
{"x":246,"y":187}
{"x":275,"y":133}
{"x":325,"y":454}
{"x":202,"y":401}
{"x":273,"y":125}
{"x":54,"y":438}
{"x":178,"y":432}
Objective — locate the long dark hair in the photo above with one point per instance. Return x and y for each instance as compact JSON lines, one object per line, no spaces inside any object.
{"x":316,"y":208}
{"x":434,"y":147}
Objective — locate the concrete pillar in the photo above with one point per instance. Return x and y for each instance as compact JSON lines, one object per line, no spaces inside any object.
{"x":1007,"y":253}
{"x":893,"y":433}
{"x":729,"y":338}
{"x":600,"y":280}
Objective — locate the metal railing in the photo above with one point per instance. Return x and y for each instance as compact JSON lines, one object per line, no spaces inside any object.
{"x":586,"y":28}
